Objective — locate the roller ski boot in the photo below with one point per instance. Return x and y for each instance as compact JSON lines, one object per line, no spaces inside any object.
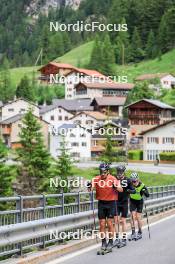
{"x":138,"y":236}
{"x":123,"y":243}
{"x":105,"y":250}
{"x":132,"y":237}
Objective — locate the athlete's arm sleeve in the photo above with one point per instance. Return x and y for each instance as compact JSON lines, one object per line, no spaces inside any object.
{"x":130,"y":188}
{"x":145,"y":191}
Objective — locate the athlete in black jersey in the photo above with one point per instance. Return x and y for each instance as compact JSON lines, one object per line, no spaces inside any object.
{"x":122,"y":205}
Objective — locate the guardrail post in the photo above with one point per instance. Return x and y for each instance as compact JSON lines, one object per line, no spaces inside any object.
{"x":62,"y":203}
{"x":157,"y":191}
{"x":19,"y":206}
{"x":43,"y":212}
{"x":78,"y":201}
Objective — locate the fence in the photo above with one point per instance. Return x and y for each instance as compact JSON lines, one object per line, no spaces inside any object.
{"x":71,"y":211}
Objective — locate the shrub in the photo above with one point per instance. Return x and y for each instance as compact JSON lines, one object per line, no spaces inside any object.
{"x":169,"y":156}
{"x":135,"y":154}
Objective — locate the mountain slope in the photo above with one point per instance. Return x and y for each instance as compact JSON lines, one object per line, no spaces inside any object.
{"x":80,"y":57}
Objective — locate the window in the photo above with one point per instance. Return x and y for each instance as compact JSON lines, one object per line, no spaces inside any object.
{"x":151,"y":140}
{"x":11,"y":109}
{"x":22,"y":110}
{"x":52,"y":118}
{"x":152,"y":154}
{"x":75,"y":154}
{"x":59,"y":110}
{"x":168,"y":140}
{"x":83,"y":135}
{"x":84,"y":144}
{"x":72,"y":135}
{"x":66,"y":118}
{"x":75,"y":144}
{"x":59,"y":118}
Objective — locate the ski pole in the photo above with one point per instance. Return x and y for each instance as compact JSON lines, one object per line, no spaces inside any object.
{"x":118,"y":224}
{"x":131,"y":217}
{"x":147,"y":221}
{"x":93,"y":212}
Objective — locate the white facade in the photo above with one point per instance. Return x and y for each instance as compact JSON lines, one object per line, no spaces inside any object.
{"x":57,"y":116}
{"x":16,"y":107}
{"x":168,"y":81}
{"x":89,"y":93}
{"x":86,"y":120}
{"x":72,"y":80}
{"x":77,"y":139}
{"x":161,"y":139}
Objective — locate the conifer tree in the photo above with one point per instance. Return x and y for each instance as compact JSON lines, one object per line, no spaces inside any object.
{"x":7,"y":173}
{"x":151,"y":48}
{"x":25,"y":89}
{"x":137,"y":52}
{"x":33,"y":156}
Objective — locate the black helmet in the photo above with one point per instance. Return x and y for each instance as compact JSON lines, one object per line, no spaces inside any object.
{"x":104,"y":167}
{"x":120,"y":170}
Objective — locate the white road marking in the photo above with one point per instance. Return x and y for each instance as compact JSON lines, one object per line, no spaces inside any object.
{"x":82,"y":251}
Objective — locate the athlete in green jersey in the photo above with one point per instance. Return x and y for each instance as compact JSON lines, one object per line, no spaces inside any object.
{"x":136,"y":204}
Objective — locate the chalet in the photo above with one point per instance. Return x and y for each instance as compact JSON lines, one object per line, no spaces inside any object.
{"x":78,"y":75}
{"x":77,"y":140}
{"x":72,"y":106}
{"x":109,"y":105}
{"x":18,"y":106}
{"x":99,"y":137}
{"x":55,"y":114}
{"x":102,"y":89}
{"x":11,"y":127}
{"x":158,"y":139}
{"x":89,"y":119}
{"x":165,"y":80}
{"x":54,"y":68}
{"x":147,"y":113}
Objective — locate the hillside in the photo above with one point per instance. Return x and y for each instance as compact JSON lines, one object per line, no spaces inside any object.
{"x":80,"y":57}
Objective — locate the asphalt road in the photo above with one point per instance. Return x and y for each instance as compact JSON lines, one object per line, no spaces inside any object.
{"x":158,"y":250}
{"x":162,"y":168}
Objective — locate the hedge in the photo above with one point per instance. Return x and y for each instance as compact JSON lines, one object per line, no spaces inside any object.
{"x":135,"y":154}
{"x":169,"y":156}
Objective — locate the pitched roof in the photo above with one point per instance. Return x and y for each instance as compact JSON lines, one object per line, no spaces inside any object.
{"x":11,"y":102}
{"x":107,"y":85}
{"x":95,"y":114}
{"x":151,"y":76}
{"x":154,"y":102}
{"x":157,"y":127}
{"x":17,"y":117}
{"x":88,"y":72}
{"x":11,"y":120}
{"x":69,"y":105}
{"x":59,"y":65}
{"x":109,"y":100}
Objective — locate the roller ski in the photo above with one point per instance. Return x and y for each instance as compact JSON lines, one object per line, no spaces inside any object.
{"x":132,"y":237}
{"x":116,"y":242}
{"x":105,"y":249}
{"x":122,"y":243}
{"x":138,"y":236}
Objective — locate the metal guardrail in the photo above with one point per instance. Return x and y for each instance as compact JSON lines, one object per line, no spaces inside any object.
{"x":28,"y":208}
{"x":22,"y":236}
{"x":18,"y":234}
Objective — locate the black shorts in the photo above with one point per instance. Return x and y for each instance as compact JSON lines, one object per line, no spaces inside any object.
{"x":136,"y":205}
{"x":106,"y":209}
{"x":122,"y":209}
